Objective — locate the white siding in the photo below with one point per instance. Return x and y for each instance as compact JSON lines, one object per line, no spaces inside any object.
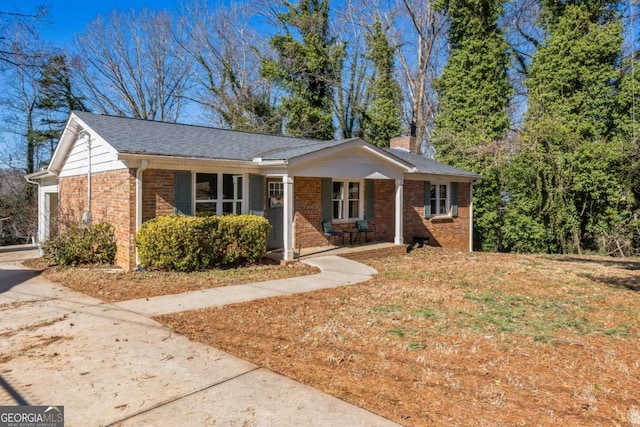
{"x":103,"y":157}
{"x":354,"y":163}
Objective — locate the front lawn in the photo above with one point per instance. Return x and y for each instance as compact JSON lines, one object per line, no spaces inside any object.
{"x":445,"y":338}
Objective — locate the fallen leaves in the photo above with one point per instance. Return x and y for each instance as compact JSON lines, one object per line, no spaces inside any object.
{"x":446,"y":338}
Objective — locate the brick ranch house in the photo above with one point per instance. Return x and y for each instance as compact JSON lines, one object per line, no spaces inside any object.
{"x":124,"y":171}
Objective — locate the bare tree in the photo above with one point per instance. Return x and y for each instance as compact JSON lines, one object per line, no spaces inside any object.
{"x":131,"y":65}
{"x":225,"y":52}
{"x":19,"y":100}
{"x":18,"y":214}
{"x":523,"y":36}
{"x":351,"y":97}
{"x":13,"y":22}
{"x":421,"y":34}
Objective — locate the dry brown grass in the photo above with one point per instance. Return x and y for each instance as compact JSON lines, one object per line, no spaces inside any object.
{"x":443,"y":338}
{"x":113,"y":285}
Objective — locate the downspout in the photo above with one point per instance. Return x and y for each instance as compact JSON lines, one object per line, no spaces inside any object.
{"x":143,"y":165}
{"x":37,"y":237}
{"x":471,"y":216}
{"x":86,"y":217}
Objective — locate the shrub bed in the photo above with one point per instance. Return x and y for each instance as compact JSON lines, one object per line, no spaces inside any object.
{"x":187,"y":243}
{"x":83,"y":245}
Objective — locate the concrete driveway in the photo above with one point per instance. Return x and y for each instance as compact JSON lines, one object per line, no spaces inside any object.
{"x":110,"y":366}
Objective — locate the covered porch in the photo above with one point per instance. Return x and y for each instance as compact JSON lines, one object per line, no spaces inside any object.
{"x":337,"y":185}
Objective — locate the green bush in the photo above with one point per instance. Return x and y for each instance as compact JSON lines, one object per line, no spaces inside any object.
{"x":188,"y":243}
{"x":83,"y":245}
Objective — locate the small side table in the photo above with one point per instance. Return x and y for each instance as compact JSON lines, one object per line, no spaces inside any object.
{"x":350,"y":232}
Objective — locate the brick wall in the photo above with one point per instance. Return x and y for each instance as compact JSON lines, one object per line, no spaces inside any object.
{"x":450,"y":233}
{"x":308,"y":212}
{"x":385,"y":210}
{"x":157,"y":193}
{"x":307,"y":205}
{"x":112,"y":201}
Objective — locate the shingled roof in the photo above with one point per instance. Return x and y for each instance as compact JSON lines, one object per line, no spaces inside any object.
{"x":427,"y":165}
{"x":136,"y":136}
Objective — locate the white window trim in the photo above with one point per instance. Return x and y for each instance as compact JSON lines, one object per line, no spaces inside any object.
{"x":219,"y":200}
{"x":449,"y":213}
{"x":345,"y":202}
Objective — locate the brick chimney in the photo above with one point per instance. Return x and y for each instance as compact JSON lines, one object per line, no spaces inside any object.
{"x":407,"y":143}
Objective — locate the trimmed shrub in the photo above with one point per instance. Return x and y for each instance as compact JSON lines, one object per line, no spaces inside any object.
{"x":245,"y":237}
{"x":188,"y":243}
{"x":83,"y":245}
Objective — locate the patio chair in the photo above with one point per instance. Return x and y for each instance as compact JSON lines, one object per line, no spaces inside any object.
{"x":329,"y":232}
{"x":365,"y":227}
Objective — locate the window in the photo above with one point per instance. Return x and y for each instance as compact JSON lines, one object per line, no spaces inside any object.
{"x":219,"y":199}
{"x":347,"y":200}
{"x":276,"y":192}
{"x":206,"y":192}
{"x":439,"y":199}
{"x":231,"y":193}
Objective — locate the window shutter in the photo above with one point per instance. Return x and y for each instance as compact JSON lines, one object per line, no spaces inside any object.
{"x":182,"y":193}
{"x":369,"y":200}
{"x":454,"y":199}
{"x":427,"y":199}
{"x":256,"y":195}
{"x":327,"y":200}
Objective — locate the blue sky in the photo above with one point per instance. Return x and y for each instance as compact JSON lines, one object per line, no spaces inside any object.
{"x":69,"y":17}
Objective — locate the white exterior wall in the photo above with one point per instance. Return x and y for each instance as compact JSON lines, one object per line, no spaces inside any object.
{"x":353,"y":163}
{"x":103,"y":157}
{"x":45,"y":189}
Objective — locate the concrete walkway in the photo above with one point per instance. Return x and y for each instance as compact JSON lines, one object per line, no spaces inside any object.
{"x":334,"y":272}
{"x":110,"y":366}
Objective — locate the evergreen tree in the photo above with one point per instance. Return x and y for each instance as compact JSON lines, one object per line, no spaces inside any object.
{"x":474,"y":93}
{"x":56,"y":98}
{"x":306,"y":69}
{"x":568,"y":175}
{"x":624,"y":235}
{"x":383,"y":118}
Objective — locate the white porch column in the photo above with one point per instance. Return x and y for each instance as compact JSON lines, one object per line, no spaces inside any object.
{"x":139,"y":173}
{"x":287,"y":212}
{"x":398,"y":238}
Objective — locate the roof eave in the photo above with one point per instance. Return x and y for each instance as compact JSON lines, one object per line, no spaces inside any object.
{"x":466,"y":177}
{"x":135,"y":157}
{"x":41,"y":174}
{"x":72,"y":129}
{"x":268,"y":163}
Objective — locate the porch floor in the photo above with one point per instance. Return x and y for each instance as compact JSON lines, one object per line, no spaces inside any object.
{"x":355,"y":252}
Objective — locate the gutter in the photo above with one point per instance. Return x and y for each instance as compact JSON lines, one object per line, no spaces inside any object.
{"x":37,"y":184}
{"x":163,"y":159}
{"x":471,"y":215}
{"x":30,"y":181}
{"x":143,"y":165}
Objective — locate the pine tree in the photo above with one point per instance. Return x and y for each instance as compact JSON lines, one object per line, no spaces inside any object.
{"x":569,"y":161}
{"x":383,"y":118}
{"x":474,"y":93}
{"x":305,"y":68}
{"x":56,"y":98}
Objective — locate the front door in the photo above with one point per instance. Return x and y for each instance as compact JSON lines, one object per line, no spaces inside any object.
{"x":275,"y":198}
